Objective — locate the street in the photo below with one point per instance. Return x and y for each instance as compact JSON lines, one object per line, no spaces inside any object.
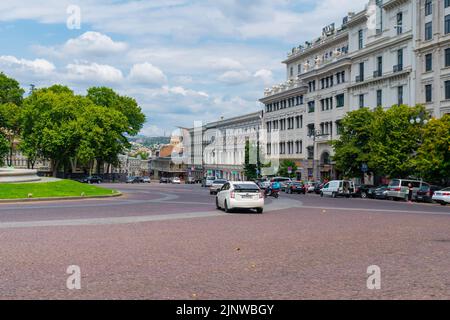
{"x":170,"y":242}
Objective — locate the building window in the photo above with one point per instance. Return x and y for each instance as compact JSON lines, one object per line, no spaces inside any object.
{"x":311,"y":107}
{"x":428,"y":31}
{"x":447,"y":90}
{"x":379,"y":98}
{"x":428,"y":93}
{"x":360,"y":39}
{"x":361,"y":101}
{"x":339,"y":100}
{"x":428,"y":7}
{"x":447,"y":24}
{"x":400,"y":95}
{"x":447,"y":3}
{"x":400,"y":59}
{"x":428,"y":62}
{"x":361,"y":71}
{"x":447,"y":57}
{"x":399,"y":23}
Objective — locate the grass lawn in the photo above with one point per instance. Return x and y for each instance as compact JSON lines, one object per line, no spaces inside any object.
{"x":63,"y":188}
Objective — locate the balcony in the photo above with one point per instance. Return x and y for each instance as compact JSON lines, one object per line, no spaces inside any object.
{"x":398,"y":68}
{"x":359,"y":79}
{"x":377,"y":74}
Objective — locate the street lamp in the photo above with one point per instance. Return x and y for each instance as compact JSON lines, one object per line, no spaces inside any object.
{"x":420,"y":119}
{"x":314,"y":134}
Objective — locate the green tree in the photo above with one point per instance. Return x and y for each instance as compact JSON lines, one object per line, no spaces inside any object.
{"x":284,"y":168}
{"x":10,"y":90}
{"x":51,"y":125}
{"x":394,"y":140}
{"x":352,"y":149}
{"x":11,"y":98}
{"x":250,"y":167}
{"x":433,"y":154}
{"x":107,"y":98}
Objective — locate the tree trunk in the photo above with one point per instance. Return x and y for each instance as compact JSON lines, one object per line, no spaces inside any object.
{"x":55,"y":165}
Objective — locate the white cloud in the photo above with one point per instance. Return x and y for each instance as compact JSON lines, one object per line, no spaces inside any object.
{"x":94,"y":43}
{"x":265,"y":75}
{"x":235,"y":77}
{"x":38,"y":66}
{"x":93,"y":72}
{"x":147,"y":74}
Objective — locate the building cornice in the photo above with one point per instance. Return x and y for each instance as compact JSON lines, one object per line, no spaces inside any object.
{"x":326,"y":68}
{"x":384,"y":77}
{"x":357,"y":19}
{"x":285,"y":94}
{"x":392,"y":4}
{"x":326,"y":42}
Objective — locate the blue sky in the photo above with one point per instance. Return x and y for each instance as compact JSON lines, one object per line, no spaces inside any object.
{"x":183,"y":60}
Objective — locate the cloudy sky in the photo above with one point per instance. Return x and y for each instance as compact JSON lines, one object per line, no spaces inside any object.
{"x":183,"y":60}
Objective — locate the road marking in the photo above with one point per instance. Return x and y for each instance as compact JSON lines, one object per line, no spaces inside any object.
{"x":129,"y":220}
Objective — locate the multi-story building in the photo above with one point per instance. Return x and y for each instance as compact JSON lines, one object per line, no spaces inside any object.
{"x":393,"y":52}
{"x":432,"y":49}
{"x":218,"y":148}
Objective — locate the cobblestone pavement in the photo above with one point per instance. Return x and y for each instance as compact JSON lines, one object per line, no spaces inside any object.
{"x":169,"y":242}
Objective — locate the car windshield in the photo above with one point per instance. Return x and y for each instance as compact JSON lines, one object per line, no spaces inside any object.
{"x":219,"y":182}
{"x":424,"y":188}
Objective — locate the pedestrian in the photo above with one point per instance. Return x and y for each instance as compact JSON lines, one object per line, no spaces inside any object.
{"x":410,"y":192}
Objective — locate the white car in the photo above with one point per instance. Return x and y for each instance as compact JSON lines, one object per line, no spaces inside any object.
{"x":338,"y":188}
{"x":176,"y":181}
{"x":442,"y":196}
{"x":240,"y":195}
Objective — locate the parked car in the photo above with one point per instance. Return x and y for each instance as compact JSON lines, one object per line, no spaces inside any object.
{"x":283,"y":182}
{"x":190,"y":180}
{"x":426,"y":192}
{"x":135,"y":180}
{"x":310,"y":186}
{"x":338,"y":188}
{"x":175,"y":180}
{"x":164,"y":180}
{"x":318,"y":188}
{"x":240,"y":195}
{"x":442,"y":196}
{"x":362,"y":191}
{"x":216,"y":186}
{"x":398,"y":188}
{"x":379,"y":192}
{"x":93,"y":179}
{"x":207,"y":181}
{"x":146,"y":180}
{"x":296,"y":187}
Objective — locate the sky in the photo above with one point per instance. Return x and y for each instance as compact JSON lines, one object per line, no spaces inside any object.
{"x":182,"y":60}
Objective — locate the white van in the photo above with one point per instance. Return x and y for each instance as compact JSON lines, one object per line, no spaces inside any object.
{"x":336,"y":188}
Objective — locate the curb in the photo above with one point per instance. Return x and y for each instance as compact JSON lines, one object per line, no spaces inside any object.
{"x":115,"y":195}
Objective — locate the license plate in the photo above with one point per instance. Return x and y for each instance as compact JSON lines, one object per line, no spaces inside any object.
{"x":247,"y":196}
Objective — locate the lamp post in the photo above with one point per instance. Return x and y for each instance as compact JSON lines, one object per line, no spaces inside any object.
{"x":315,"y":134}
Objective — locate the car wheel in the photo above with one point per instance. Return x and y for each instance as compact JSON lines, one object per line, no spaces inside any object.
{"x":227,"y":210}
{"x":333,"y":195}
{"x":321,"y":194}
{"x":259,"y":210}
{"x":217,"y":204}
{"x":363,"y":195}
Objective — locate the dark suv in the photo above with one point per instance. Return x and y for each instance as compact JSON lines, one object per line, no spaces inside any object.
{"x":164,"y":180}
{"x":93,"y":179}
{"x":296,"y":187}
{"x":426,"y":192}
{"x":362,"y":191}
